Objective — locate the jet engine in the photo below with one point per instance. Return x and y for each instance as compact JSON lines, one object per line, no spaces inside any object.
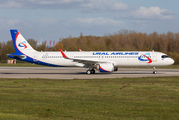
{"x":105,"y":67}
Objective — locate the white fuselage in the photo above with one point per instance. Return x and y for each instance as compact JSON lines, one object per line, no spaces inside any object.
{"x":118,"y":58}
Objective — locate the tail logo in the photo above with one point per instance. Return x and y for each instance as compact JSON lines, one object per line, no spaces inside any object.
{"x":23,"y":44}
{"x":145,"y":57}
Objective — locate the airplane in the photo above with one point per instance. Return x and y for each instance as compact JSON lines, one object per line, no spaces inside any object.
{"x":104,"y":61}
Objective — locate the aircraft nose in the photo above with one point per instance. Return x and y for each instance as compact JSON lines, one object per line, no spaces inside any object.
{"x":172,"y":61}
{"x":169,"y":61}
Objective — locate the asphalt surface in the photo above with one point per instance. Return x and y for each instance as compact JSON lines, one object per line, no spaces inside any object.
{"x":80,"y":73}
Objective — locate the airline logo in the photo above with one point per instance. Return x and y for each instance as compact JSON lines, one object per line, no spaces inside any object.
{"x":23,"y":44}
{"x":145,"y":57}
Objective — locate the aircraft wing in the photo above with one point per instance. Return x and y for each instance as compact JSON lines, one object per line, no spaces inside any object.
{"x":87,"y":61}
{"x":84,"y":61}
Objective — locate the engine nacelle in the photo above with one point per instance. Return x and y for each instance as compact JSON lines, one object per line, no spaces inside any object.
{"x":105,"y":67}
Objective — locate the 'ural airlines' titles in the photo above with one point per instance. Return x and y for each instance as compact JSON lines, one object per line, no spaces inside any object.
{"x":115,"y":53}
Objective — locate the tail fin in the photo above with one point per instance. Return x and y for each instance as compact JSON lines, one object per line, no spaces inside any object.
{"x":21,"y":46}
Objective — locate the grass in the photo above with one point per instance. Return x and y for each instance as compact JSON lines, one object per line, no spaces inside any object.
{"x":98,"y":99}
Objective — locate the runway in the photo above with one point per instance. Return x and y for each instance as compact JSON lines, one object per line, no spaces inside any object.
{"x":80,"y":73}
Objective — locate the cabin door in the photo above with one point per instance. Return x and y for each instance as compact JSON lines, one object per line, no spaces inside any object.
{"x":154,"y":59}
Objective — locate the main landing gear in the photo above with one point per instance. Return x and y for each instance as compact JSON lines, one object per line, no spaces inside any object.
{"x":154,"y":70}
{"x":92,"y":71}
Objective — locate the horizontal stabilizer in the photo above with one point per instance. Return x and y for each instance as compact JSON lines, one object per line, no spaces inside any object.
{"x":16,"y":55}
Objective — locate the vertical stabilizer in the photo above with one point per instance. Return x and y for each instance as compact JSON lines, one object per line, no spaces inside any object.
{"x":20,"y":44}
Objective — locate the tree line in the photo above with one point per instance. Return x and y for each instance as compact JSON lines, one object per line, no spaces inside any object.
{"x":124,"y":40}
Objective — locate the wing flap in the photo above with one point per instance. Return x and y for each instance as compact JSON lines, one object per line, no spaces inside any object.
{"x":87,"y":61}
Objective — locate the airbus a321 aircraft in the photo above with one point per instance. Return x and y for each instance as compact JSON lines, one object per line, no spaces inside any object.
{"x":104,"y":61}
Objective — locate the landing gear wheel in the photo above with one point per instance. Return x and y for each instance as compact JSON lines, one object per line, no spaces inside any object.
{"x":92,"y":71}
{"x":154,"y":72}
{"x":88,"y":72}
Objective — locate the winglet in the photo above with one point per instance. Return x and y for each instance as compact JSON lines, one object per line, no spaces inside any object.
{"x":80,"y":50}
{"x":63,"y":53}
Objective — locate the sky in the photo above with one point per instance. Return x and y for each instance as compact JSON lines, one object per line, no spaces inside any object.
{"x":54,"y":19}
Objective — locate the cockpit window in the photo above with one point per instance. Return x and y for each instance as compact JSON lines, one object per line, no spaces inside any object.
{"x":165,"y":56}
